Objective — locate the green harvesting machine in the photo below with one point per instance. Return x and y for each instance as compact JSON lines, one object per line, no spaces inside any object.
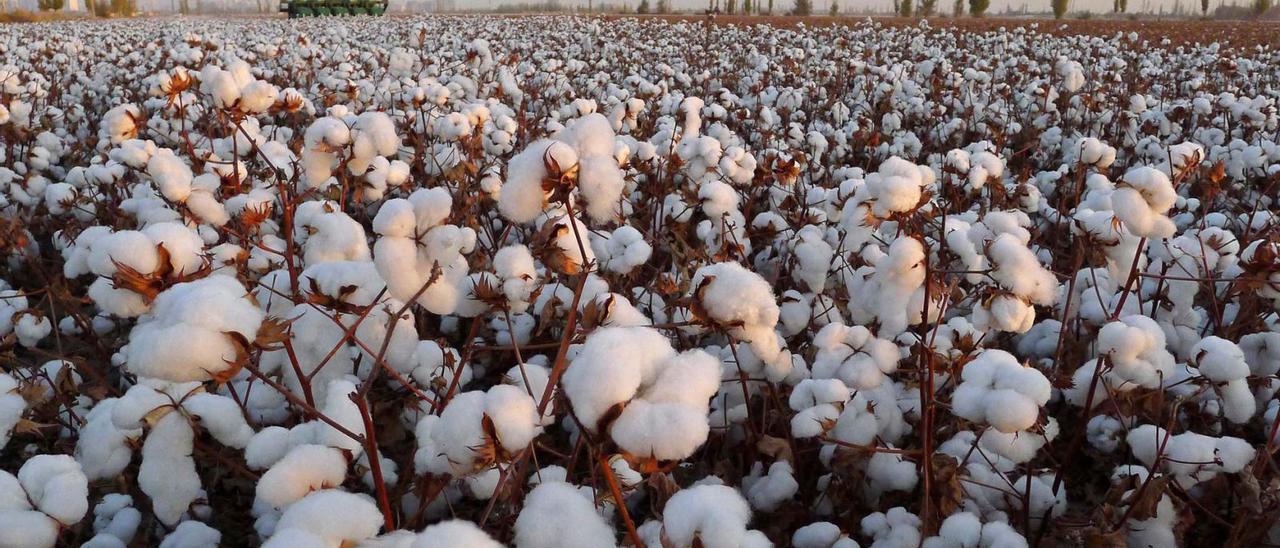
{"x":307,"y":8}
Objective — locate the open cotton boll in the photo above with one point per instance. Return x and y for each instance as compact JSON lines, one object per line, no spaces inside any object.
{"x":743,"y":302}
{"x":1141,"y":200}
{"x":714,"y":515}
{"x":818,"y":404}
{"x":563,"y":243}
{"x":1189,"y":457}
{"x":1070,"y":74}
{"x":322,"y":141}
{"x":660,"y":398}
{"x":333,"y":516}
{"x":103,"y":450}
{"x":1042,"y":501}
{"x":600,"y":181}
{"x":116,"y":517}
{"x":769,"y":491}
{"x":373,"y":134}
{"x":995,"y":389}
{"x":12,"y":405}
{"x":1223,"y":362}
{"x":415,"y":247}
{"x":168,"y":473}
{"x":515,"y":267}
{"x":853,"y":355}
{"x":822,"y":534}
{"x":1136,"y":347}
{"x":622,"y":250}
{"x":327,"y":234}
{"x":897,"y":279}
{"x":1017,"y":270}
{"x":56,"y":486}
{"x":206,"y":315}
{"x":897,"y":186}
{"x":192,"y":534}
{"x":27,"y":529}
{"x":304,"y":469}
{"x":1095,"y":153}
{"x":456,"y":441}
{"x":455,"y":533}
{"x":557,"y":515}
{"x":523,"y":196}
{"x":171,"y":175}
{"x":890,"y":472}
{"x":513,"y":414}
{"x":891,"y":529}
{"x":435,"y":367}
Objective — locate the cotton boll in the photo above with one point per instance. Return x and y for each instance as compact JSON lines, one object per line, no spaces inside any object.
{"x":556,"y":514}
{"x":56,"y":486}
{"x":1145,"y":195}
{"x":897,"y":527}
{"x":168,"y":473}
{"x":600,"y":181}
{"x":821,"y":534}
{"x":102,"y":449}
{"x":769,"y":491}
{"x":202,"y":314}
{"x":116,"y":517}
{"x":1136,"y":347}
{"x":415,"y":247}
{"x":303,"y":469}
{"x":192,"y":534}
{"x":1223,"y":362}
{"x":171,"y":175}
{"x":333,"y":516}
{"x":514,"y":416}
{"x":716,"y":515}
{"x":622,"y":250}
{"x":1189,"y":457}
{"x":997,"y":390}
{"x":523,"y":197}
{"x":12,"y":405}
{"x":663,"y":396}
{"x":27,"y":528}
{"x":890,"y":472}
{"x":454,"y":533}
{"x":1017,"y":270}
{"x":853,"y":355}
{"x":897,"y":186}
{"x":515,"y":267}
{"x":742,"y":301}
{"x":897,"y":278}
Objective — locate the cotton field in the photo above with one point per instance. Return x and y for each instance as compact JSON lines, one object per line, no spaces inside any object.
{"x":564,"y":282}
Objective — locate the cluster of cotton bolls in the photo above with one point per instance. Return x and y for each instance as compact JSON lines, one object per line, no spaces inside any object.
{"x":568,"y":282}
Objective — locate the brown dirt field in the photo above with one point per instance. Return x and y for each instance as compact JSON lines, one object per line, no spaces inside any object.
{"x":1229,"y":33}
